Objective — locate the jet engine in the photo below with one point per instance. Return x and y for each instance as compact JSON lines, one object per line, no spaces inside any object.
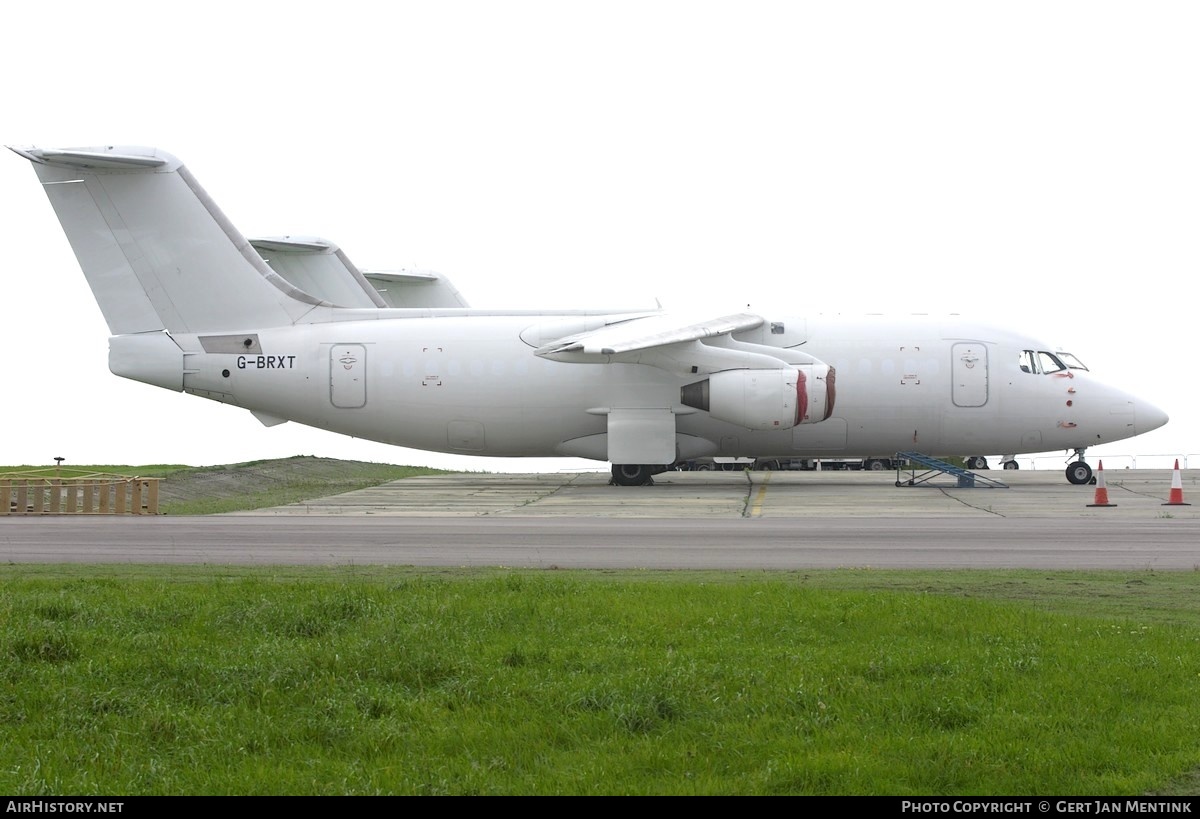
{"x":765,"y":399}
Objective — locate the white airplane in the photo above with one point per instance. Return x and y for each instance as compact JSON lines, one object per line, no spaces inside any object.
{"x":291,"y":330}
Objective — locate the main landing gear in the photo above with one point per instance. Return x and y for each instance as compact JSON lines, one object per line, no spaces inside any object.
{"x":634,"y":474}
{"x":980,"y":462}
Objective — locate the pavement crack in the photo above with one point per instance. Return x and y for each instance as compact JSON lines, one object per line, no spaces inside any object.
{"x":987,"y":509}
{"x":532,"y":499}
{"x":752,"y":505}
{"x":1122,"y":487}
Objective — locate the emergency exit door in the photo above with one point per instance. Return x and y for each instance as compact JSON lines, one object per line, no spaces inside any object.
{"x":348,"y":375}
{"x":970,"y":367}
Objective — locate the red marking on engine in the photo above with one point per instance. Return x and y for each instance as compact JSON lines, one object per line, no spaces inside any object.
{"x":830,"y":391}
{"x":801,"y":397}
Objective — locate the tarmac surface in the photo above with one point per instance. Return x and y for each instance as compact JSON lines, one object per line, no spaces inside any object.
{"x":746,"y":494}
{"x":685,"y":520}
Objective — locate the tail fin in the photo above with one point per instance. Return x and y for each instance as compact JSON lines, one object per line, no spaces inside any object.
{"x":156,"y":251}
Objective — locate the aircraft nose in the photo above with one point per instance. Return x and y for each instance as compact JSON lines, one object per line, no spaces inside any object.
{"x":1148,"y":417}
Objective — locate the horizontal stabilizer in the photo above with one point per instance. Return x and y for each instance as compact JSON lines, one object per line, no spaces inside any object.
{"x":119,"y":159}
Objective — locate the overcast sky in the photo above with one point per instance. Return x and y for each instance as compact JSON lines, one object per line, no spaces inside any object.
{"x":1035,"y":163}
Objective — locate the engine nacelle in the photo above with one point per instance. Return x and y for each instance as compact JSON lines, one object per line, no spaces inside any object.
{"x":765,"y":399}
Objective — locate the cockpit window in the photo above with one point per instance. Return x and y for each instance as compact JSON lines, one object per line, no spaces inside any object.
{"x":1071,"y":361}
{"x":1041,"y":361}
{"x":1049,"y":362}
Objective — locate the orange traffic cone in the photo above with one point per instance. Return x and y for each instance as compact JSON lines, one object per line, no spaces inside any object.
{"x":1176,"y":496}
{"x":1101,"y":489}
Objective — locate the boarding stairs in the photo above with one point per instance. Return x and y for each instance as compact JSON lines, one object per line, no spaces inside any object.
{"x":963,"y":478}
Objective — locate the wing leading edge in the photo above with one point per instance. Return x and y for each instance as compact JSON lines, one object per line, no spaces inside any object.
{"x":679,"y":345}
{"x":646,"y":332}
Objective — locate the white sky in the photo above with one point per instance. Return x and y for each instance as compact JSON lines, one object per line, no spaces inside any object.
{"x":1036,"y":163}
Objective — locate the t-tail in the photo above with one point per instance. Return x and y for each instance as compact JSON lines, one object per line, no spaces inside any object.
{"x":156,"y":250}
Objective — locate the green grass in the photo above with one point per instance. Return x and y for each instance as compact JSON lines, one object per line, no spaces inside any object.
{"x":210,"y":680}
{"x":131,"y":680}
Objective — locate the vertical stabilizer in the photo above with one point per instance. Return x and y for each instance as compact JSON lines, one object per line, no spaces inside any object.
{"x":156,"y":251}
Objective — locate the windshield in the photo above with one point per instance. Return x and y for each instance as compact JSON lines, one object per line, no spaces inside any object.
{"x":1041,"y":361}
{"x":1049,"y":363}
{"x":1071,"y":361}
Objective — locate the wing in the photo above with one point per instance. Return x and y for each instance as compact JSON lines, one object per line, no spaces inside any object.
{"x":755,"y":386}
{"x":677,"y":344}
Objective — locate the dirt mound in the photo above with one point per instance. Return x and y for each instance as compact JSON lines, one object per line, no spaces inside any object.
{"x":273,"y":482}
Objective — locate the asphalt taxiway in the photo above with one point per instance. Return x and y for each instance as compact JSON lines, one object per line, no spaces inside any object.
{"x":685,"y":520}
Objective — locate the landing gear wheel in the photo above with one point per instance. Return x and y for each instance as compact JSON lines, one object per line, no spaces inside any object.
{"x":1079,"y":473}
{"x":1011,"y":465}
{"x":632,"y":474}
{"x":874,"y":464}
{"x":977,"y":462}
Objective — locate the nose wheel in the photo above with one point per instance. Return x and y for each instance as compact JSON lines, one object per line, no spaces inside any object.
{"x":1078,"y":472}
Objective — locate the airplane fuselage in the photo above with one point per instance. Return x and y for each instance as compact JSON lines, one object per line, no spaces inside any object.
{"x":468,"y":382}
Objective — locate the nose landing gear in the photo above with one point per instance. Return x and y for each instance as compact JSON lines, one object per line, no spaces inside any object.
{"x":1078,"y":472}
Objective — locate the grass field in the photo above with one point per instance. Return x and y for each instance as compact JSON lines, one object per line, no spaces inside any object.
{"x":137,"y":680}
